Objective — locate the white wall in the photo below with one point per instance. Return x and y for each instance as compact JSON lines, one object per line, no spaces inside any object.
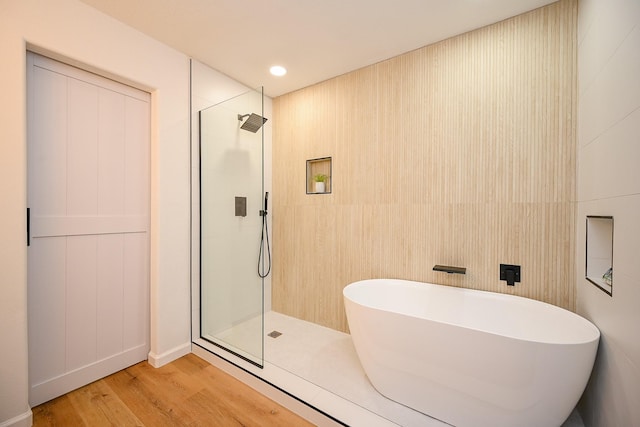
{"x":210,"y":87}
{"x":609,"y":184}
{"x":72,"y":31}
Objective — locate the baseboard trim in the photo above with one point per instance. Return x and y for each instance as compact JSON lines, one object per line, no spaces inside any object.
{"x":23,"y":420}
{"x":158,"y":360}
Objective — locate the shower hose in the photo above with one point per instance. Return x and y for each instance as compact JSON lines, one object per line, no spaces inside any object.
{"x":264,"y":239}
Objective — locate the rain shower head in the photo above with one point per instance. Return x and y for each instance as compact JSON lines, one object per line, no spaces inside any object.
{"x":253,"y":123}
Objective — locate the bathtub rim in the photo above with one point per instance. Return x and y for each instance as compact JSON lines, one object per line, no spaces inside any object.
{"x":593,"y":331}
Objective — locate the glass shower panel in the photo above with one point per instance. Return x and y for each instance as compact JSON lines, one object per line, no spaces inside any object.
{"x":231,"y":198}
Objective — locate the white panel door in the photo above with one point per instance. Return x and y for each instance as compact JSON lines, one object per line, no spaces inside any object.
{"x":88,"y":254}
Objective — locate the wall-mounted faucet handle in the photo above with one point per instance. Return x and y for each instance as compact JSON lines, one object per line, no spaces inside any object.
{"x":510,"y":276}
{"x":510,"y":273}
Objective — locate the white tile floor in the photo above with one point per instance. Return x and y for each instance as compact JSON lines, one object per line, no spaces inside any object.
{"x":327,"y":358}
{"x":320,"y":365}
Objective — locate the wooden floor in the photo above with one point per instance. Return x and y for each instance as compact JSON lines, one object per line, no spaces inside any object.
{"x":186,"y":392}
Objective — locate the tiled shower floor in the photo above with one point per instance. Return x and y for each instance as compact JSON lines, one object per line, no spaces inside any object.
{"x":326,"y":359}
{"x":323,"y":358}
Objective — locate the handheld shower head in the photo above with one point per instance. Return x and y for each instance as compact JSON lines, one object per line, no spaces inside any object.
{"x":253,"y":123}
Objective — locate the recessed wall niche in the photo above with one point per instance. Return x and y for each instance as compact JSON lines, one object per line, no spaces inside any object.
{"x":599,"y":262}
{"x":319,"y":176}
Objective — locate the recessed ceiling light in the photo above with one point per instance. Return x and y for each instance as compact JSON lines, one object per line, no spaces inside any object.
{"x":278,"y":70}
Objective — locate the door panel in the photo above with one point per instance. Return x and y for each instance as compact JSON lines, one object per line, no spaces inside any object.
{"x":111,"y":162}
{"x":135,"y":271}
{"x":46,"y":293}
{"x":136,"y":166}
{"x":50,"y":158}
{"x":88,"y":278}
{"x":110,"y":288}
{"x":82,"y":148}
{"x":81,"y":301}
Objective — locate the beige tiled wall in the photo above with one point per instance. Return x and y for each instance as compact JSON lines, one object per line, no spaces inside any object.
{"x":460,"y":153}
{"x":609,"y":184}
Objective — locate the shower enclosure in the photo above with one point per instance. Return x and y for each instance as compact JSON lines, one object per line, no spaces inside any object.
{"x":232,"y":219}
{"x":232,"y":319}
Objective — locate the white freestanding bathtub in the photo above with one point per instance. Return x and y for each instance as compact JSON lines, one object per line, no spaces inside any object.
{"x":468,"y":357}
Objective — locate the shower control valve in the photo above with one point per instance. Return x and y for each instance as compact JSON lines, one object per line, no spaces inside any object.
{"x":510,"y":273}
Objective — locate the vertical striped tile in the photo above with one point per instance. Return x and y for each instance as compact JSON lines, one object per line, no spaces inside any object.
{"x":460,"y":153}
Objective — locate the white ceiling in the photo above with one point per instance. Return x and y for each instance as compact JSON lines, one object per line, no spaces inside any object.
{"x":314,"y":39}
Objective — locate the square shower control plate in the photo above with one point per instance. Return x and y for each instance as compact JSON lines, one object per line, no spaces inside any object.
{"x":505,"y":267}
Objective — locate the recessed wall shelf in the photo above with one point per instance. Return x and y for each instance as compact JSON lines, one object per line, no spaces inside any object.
{"x":599,"y":249}
{"x":319,"y":176}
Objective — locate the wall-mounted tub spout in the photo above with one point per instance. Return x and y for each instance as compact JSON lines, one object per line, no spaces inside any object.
{"x":449,"y":269}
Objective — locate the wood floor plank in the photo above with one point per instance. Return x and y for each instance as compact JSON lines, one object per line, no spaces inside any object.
{"x":98,"y":405}
{"x":190,"y":364}
{"x":186,"y":392}
{"x":230,"y":400}
{"x":168,"y":377}
{"x":56,"y":412}
{"x":147,"y":399}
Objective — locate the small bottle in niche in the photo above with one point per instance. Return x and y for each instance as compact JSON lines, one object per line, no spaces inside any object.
{"x":607,"y":276}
